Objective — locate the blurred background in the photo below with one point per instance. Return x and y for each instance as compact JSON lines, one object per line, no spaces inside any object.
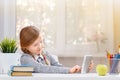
{"x":70,"y":28}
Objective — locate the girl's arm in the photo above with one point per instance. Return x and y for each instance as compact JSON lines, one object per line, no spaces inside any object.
{"x":27,"y":59}
{"x":53,"y":60}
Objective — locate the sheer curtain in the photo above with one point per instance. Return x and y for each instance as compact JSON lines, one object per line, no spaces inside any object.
{"x":69,"y":27}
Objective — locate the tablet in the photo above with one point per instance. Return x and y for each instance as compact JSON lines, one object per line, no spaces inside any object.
{"x":86,"y":62}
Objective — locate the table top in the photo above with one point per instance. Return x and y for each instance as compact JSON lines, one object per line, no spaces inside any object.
{"x":41,"y":76}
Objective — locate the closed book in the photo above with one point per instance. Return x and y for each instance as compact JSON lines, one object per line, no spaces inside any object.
{"x":21,"y":68}
{"x":16,"y":73}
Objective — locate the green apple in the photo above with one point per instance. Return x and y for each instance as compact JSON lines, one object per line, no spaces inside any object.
{"x":101,"y":69}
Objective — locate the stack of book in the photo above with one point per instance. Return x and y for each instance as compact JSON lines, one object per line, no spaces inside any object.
{"x":20,"y":70}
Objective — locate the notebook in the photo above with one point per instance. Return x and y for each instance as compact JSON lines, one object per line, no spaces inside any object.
{"x":86,"y":62}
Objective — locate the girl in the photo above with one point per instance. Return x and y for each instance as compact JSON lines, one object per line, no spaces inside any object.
{"x":32,"y":46}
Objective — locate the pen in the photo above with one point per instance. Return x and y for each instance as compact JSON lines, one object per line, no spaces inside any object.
{"x":109,"y":57}
{"x":119,"y":49}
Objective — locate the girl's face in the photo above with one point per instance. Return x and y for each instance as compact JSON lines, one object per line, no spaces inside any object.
{"x":36,"y":46}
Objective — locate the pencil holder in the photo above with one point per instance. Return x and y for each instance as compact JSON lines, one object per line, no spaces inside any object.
{"x":114,"y":66}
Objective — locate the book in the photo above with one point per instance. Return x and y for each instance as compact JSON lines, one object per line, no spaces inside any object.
{"x":17,"y":73}
{"x":21,"y":68}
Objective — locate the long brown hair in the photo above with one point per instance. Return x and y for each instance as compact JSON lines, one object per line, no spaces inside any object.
{"x":27,"y":36}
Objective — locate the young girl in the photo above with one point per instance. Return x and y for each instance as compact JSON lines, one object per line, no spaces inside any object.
{"x":32,"y":46}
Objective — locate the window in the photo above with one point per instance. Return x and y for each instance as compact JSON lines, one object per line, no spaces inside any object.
{"x":40,"y":14}
{"x":69,"y":27}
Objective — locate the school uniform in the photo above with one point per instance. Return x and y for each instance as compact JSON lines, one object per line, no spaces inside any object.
{"x":43,"y":64}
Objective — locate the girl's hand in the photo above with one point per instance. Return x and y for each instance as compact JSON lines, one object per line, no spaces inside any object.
{"x":75,"y":69}
{"x":91,"y":66}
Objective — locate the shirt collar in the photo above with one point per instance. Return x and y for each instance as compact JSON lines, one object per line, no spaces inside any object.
{"x":36,"y":56}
